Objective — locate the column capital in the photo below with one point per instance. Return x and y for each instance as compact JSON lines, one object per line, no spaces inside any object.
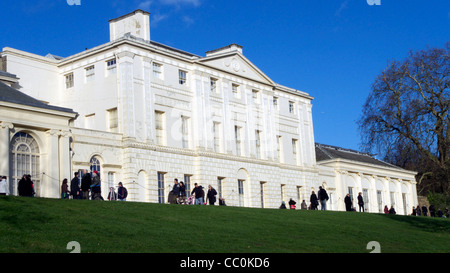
{"x":6,"y":125}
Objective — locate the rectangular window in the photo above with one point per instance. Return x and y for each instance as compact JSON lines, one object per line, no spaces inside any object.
{"x":89,"y":121}
{"x":255,"y":95}
{"x":90,"y":73}
{"x":365,"y":194}
{"x":216,"y":132}
{"x":280,"y":148}
{"x":258,"y":143}
{"x":187,"y":184}
{"x":262,"y":185}
{"x":111,"y":66}
{"x":219,"y":186}
{"x":241,"y":192}
{"x":350,"y":191}
{"x":113,"y":120}
{"x":237,"y":135}
{"x":283,"y":192}
{"x":299,"y":194}
{"x":161,"y":188}
{"x":69,"y":80}
{"x":275,"y":103}
{"x":157,"y":71}
{"x":185,"y":131}
{"x":235,"y":89}
{"x":160,"y":127}
{"x":213,"y":83}
{"x":111,"y":177}
{"x":294,"y":150}
{"x":392,"y":199}
{"x":380,"y":201}
{"x":291,"y":107}
{"x":182,"y":75}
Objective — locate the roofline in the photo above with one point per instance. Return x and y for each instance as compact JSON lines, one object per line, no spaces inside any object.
{"x":129,"y":14}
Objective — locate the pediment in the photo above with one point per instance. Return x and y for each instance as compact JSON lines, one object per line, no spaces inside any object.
{"x":238,"y":64}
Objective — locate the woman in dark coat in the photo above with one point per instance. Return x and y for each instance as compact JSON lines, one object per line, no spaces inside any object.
{"x":314,"y":201}
{"x":211,"y":195}
{"x":25,"y":186}
{"x":348,"y":203}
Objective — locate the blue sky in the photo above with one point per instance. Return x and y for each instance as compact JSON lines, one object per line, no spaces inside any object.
{"x":331,"y":49}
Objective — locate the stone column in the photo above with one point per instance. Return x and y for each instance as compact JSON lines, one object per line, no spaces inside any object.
{"x":65,"y":169}
{"x":126,"y":94}
{"x":50,"y":184}
{"x":5,"y":169}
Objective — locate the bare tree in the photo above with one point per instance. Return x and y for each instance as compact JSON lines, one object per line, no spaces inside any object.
{"x":406,"y":120}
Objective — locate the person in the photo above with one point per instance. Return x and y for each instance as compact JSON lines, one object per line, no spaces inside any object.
{"x":175,"y":192}
{"x":424,"y":210}
{"x":313,"y":199}
{"x":25,"y":186}
{"x":323,"y":197}
{"x":360,"y":202}
{"x":392,"y":210}
{"x":198,"y":191}
{"x":65,"y":189}
{"x":211,"y":195}
{"x":75,"y":190}
{"x":112,"y":195}
{"x":446,"y":213}
{"x":96,"y":186}
{"x":86,"y":182}
{"x":3,"y":186}
{"x":348,"y":203}
{"x":304,"y":206}
{"x":292,"y":204}
{"x":283,"y":205}
{"x":182,"y":198}
{"x":440,"y":214}
{"x":122,"y":192}
{"x":432,"y":210}
{"x":222,"y":201}
{"x":414,"y":211}
{"x":386,"y":209}
{"x":418,"y":211}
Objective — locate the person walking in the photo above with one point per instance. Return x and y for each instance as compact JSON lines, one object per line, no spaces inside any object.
{"x":175,"y":192}
{"x":198,"y":191}
{"x":314,"y":201}
{"x":292,"y":204}
{"x":122,"y":192}
{"x":3,"y":186}
{"x":75,"y":190}
{"x":424,"y":210}
{"x":211,"y":195}
{"x":182,"y":199}
{"x":96,"y":186}
{"x":86,"y":182}
{"x":65,"y":189}
{"x":432,"y":210}
{"x":348,"y":203}
{"x":418,"y":211}
{"x":112,"y":195}
{"x":360,"y":202}
{"x":323,"y":197}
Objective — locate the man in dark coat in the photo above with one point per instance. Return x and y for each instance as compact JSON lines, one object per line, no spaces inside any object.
{"x":360,"y":202}
{"x":198,"y":190}
{"x":323,"y":197}
{"x":424,"y":210}
{"x":314,"y":201}
{"x":74,"y":188}
{"x":86,"y":184}
{"x":348,"y":203}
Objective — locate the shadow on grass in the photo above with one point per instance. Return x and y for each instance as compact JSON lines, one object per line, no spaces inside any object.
{"x":430,"y":224}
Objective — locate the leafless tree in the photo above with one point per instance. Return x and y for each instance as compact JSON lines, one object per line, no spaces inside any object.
{"x":406,"y":119}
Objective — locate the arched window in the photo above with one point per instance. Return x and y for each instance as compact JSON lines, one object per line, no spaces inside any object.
{"x":25,"y":160}
{"x":95,"y":164}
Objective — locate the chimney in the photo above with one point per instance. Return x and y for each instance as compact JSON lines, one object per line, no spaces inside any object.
{"x":137,"y":23}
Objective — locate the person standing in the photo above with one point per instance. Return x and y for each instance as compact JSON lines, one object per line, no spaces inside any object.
{"x":292,"y":204}
{"x":175,"y":192}
{"x":314,"y":201}
{"x":424,"y":210}
{"x":211,"y":195}
{"x":198,"y":191}
{"x":65,"y":189}
{"x":96,"y":186}
{"x":74,"y":188}
{"x":3,"y":186}
{"x":348,"y":203}
{"x":323,"y":197}
{"x":304,"y":206}
{"x":122,"y":192}
{"x":432,"y":210}
{"x":360,"y":202}
{"x":112,"y":195}
{"x":86,"y":182}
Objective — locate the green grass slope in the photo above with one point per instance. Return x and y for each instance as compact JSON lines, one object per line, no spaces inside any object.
{"x":48,"y":225}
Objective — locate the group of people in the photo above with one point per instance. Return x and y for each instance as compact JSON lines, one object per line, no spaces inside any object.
{"x":349,"y":203}
{"x":90,"y":188}
{"x":321,"y":197}
{"x":417,"y":211}
{"x":178,"y":194}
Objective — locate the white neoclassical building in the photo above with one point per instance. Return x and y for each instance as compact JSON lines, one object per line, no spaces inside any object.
{"x":144,"y":113}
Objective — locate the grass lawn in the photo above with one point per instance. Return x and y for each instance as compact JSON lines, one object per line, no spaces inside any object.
{"x":38,"y":225}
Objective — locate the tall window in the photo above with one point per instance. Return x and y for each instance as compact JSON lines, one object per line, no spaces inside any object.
{"x":299,"y":193}
{"x":185,"y":131}
{"x":237,"y":135}
{"x":157,"y":71}
{"x":113,"y":120}
{"x":160,"y":127}
{"x":213,"y":83}
{"x":255,"y":96}
{"x":160,"y":187}
{"x":235,"y":89}
{"x":111,"y":66}
{"x":404,"y":204}
{"x":258,"y":143}
{"x":393,"y":199}
{"x":25,"y":160}
{"x":90,"y":73}
{"x":283,"y":192}
{"x":187,"y":184}
{"x":294,"y":150}
{"x":94,"y":164}
{"x":261,"y":188}
{"x":241,"y":192}
{"x":275,"y":103}
{"x":365,"y":194}
{"x":350,"y":191}
{"x":280,"y":148}
{"x":219,"y":186}
{"x":69,"y":80}
{"x":291,"y":107}
{"x":182,"y":75}
{"x":380,"y":201}
{"x":216,"y":132}
{"x":111,"y":179}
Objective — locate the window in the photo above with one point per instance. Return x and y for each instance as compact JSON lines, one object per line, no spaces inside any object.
{"x":291,"y":107}
{"x":25,"y":160}
{"x":160,"y":187}
{"x":235,"y":89}
{"x":89,"y":121}
{"x":404,"y":204}
{"x":275,"y":103}
{"x":113,"y":120}
{"x":258,"y":143}
{"x":90,"y":73}
{"x":294,"y":150}
{"x":255,"y":95}
{"x":219,"y":186}
{"x":182,"y":77}
{"x":187,"y":184}
{"x":94,"y":165}
{"x":216,"y":132}
{"x":261,"y":186}
{"x":69,"y":80}
{"x":111,"y":178}
{"x":213,"y":83}
{"x":299,"y":194}
{"x":350,"y":191}
{"x":237,"y":135}
{"x":185,"y":131}
{"x":157,"y":71}
{"x":279,"y":148}
{"x":111,"y":66}
{"x":393,"y":199}
{"x":365,"y":194}
{"x":241,"y":192}
{"x":160,"y":128}
{"x":283,"y":192}
{"x":380,"y":202}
